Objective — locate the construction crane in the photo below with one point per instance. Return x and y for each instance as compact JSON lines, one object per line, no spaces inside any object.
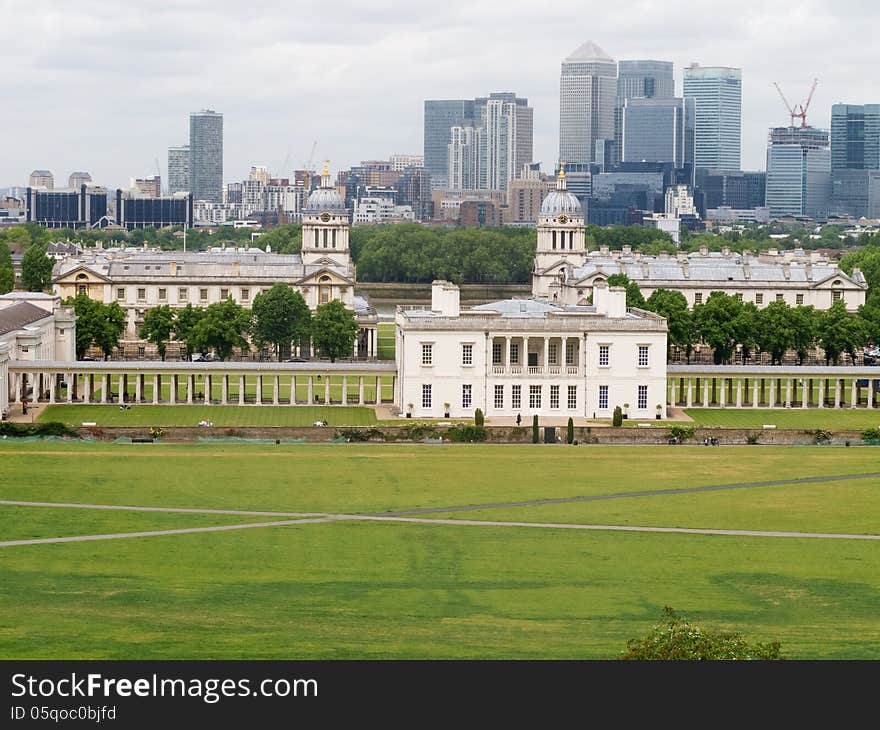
{"x":798,"y":111}
{"x":307,"y":166}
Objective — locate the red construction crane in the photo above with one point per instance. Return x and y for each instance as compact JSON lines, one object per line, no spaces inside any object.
{"x":799,"y":111}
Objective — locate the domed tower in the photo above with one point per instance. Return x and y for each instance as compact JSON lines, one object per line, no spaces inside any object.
{"x":561,"y":242}
{"x":325,"y":226}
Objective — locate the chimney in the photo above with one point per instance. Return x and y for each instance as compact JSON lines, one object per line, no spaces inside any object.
{"x":445,"y":298}
{"x":603,"y":249}
{"x":626,"y":249}
{"x":173,"y":265}
{"x":704,"y":250}
{"x":725,"y":250}
{"x":609,"y":301}
{"x":235,"y":267}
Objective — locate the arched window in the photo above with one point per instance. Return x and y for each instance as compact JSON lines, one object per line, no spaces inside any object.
{"x":316,"y":238}
{"x":325,"y":238}
{"x":333,"y":237}
{"x":554,"y":240}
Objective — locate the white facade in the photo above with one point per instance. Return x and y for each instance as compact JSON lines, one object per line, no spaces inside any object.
{"x":525,"y":357}
{"x":679,"y":201}
{"x":381,"y":210}
{"x":400,"y":162}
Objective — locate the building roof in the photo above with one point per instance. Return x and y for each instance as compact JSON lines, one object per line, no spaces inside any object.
{"x":29,"y":296}
{"x":18,"y":316}
{"x":589,"y":51}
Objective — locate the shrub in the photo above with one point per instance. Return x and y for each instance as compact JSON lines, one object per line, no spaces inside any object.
{"x":478,"y":417}
{"x":417,"y":432}
{"x":535,"y":433}
{"x":467,"y":433}
{"x":871,"y":434}
{"x":361,"y":434}
{"x":676,"y":638}
{"x":753,"y":438}
{"x":820,"y":435}
{"x":569,"y":435}
{"x":682,"y":433}
{"x":156,"y":432}
{"x":52,"y":428}
{"x":617,"y":418}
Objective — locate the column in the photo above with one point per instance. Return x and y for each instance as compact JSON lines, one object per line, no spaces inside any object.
{"x":174,"y":382}
{"x":53,"y":384}
{"x":672,"y":392}
{"x":525,"y":354}
{"x":190,"y":387}
{"x":156,"y":387}
{"x":722,"y":398}
{"x":293,"y":390}
{"x":360,"y":390}
{"x":788,"y":393}
{"x":837,"y":393}
{"x":104,"y":388}
{"x":259,"y":400}
{"x":507,"y":353}
{"x":772,"y":398}
{"x":138,"y":384}
{"x":208,"y":385}
{"x":121,"y":383}
{"x":70,"y":388}
{"x":327,"y":390}
{"x":224,"y":389}
{"x":310,"y":396}
{"x":755,"y":396}
{"x":739,"y":393}
{"x":275,"y":385}
{"x":344,"y":390}
{"x":705,"y":403}
{"x":690,"y":393}
{"x":546,"y":355}
{"x":805,"y":393}
{"x":853,"y":396}
{"x":241,"y":390}
{"x":821,"y":392}
{"x":870,"y":393}
{"x":378,"y":390}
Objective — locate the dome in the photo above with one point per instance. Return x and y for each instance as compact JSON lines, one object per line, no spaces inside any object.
{"x":561,"y":201}
{"x":327,"y":199}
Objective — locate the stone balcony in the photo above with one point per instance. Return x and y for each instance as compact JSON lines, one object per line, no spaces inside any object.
{"x":536,"y":370}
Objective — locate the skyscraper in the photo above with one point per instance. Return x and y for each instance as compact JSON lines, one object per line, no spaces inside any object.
{"x":440,"y":117}
{"x":506,"y":123}
{"x":717,"y":95}
{"x":42,"y":179}
{"x":855,"y":159}
{"x":178,"y":169}
{"x":465,"y":158}
{"x":798,"y":172}
{"x":639,"y":80}
{"x":658,"y":130}
{"x":587,"y":97}
{"x":206,"y":155}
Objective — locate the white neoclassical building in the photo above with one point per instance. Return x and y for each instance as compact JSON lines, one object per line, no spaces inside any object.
{"x":565,"y":272}
{"x":525,"y":357}
{"x":139,"y":280}
{"x":33,"y":327}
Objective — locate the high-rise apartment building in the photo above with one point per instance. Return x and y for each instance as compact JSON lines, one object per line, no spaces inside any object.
{"x":643,"y":79}
{"x":855,"y":160}
{"x":507,"y":126}
{"x":799,"y":172}
{"x":42,"y":179}
{"x":717,"y":95}
{"x":206,"y":155}
{"x":440,"y":117}
{"x":465,"y":158}
{"x":658,"y":130}
{"x":78,"y":179}
{"x":587,"y":99}
{"x":399,"y":163}
{"x":178,"y":169}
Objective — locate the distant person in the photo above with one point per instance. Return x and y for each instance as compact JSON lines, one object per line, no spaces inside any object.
{"x":518,"y":419}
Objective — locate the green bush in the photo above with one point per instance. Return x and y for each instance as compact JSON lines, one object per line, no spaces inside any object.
{"x":361,"y":434}
{"x":569,"y":435}
{"x":467,"y":433}
{"x":417,"y":432}
{"x":52,"y":428}
{"x":478,"y":417}
{"x":617,"y":418}
{"x":753,"y":438}
{"x":871,"y":434}
{"x":535,"y":433}
{"x":682,"y":433}
{"x":820,"y":435}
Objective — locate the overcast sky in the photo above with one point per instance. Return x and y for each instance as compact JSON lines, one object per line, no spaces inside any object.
{"x":107,"y":86}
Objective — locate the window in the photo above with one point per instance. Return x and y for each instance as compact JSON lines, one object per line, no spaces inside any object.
{"x":799,"y":300}
{"x":245,"y":294}
{"x":759,"y":298}
{"x":603,"y":397}
{"x":426,"y":396}
{"x":163,"y":295}
{"x":643,"y":356}
{"x":514,"y":353}
{"x":570,"y":352}
{"x":604,"y":355}
{"x":739,"y":295}
{"x":224,"y":293}
{"x":516,"y":396}
{"x":698,"y":298}
{"x":142,"y":294}
{"x":466,"y":396}
{"x":780,"y":297}
{"x":120,"y":293}
{"x":182,"y":294}
{"x":553,"y":354}
{"x":836,"y":295}
{"x":203,"y":294}
{"x":554,"y":396}
{"x":467,"y":354}
{"x":534,"y":396}
{"x":499,"y":396}
{"x":572,"y":397}
{"x":496,"y":353}
{"x":427,"y":354}
{"x":643,"y":397}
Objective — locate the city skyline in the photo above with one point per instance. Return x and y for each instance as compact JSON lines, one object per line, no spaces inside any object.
{"x":273,"y":120}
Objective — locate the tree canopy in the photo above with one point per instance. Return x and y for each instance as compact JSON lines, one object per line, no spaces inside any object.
{"x":223,"y":326}
{"x":281,"y":316}
{"x":634,"y":296}
{"x":158,"y":327}
{"x":185,"y":320}
{"x":97,"y":324}
{"x":36,"y":269}
{"x":334,"y":330}
{"x":674,"y":307}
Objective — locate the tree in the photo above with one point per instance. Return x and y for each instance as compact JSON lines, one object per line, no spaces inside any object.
{"x":184,"y":324}
{"x":804,"y":323}
{"x":839,"y":331}
{"x":569,"y":432}
{"x":223,"y":326}
{"x":716,"y":324}
{"x":674,"y":638}
{"x":158,"y":326}
{"x":36,"y":269}
{"x":96,"y":324}
{"x":745,"y":328}
{"x":617,"y":417}
{"x":281,"y":316}
{"x":334,"y":330}
{"x":535,"y":431}
{"x":5,"y":255}
{"x":7,"y":279}
{"x":111,"y":329}
{"x":479,"y":419}
{"x":634,"y":296}
{"x":673,"y":306}
{"x":776,"y":330}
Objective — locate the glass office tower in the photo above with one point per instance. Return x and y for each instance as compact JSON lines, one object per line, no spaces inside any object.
{"x":717,"y":95}
{"x":206,"y":155}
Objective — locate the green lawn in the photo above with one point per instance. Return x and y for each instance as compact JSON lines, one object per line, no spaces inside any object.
{"x":809,"y":418}
{"x":395,"y":590}
{"x":385,"y":340}
{"x":150,"y":415}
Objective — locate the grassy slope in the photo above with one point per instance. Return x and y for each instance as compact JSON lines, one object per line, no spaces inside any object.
{"x":809,"y":418}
